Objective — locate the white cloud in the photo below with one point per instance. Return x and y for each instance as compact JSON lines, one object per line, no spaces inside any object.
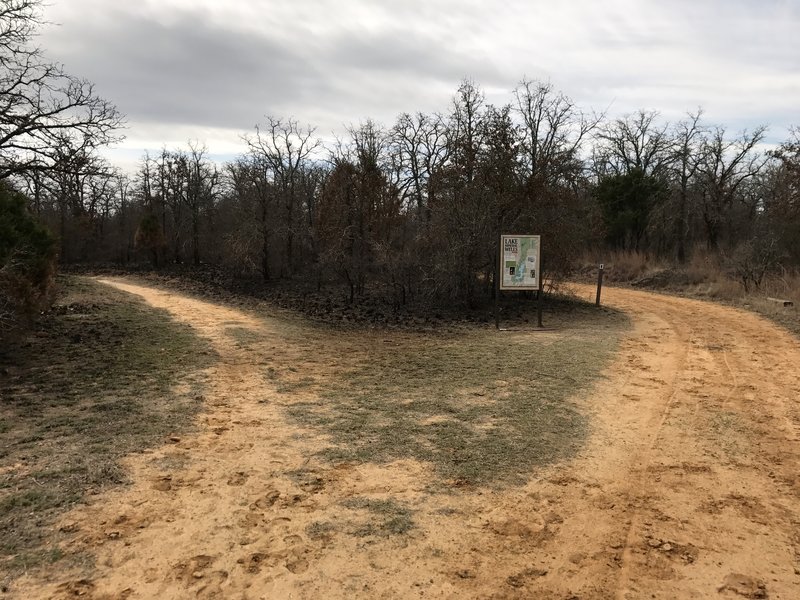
{"x":204,"y":69}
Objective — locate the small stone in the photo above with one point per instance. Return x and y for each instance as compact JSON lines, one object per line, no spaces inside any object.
{"x":198,"y":574}
{"x":654,"y":543}
{"x":666,"y":547}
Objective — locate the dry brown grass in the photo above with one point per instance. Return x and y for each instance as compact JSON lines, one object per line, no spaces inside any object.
{"x":706,"y":276}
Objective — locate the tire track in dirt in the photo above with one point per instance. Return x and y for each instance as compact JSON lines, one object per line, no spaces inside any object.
{"x":710,"y":514}
{"x":687,"y":487}
{"x":644,"y":461}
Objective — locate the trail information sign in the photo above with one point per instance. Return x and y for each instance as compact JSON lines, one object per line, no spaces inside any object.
{"x":520,"y":259}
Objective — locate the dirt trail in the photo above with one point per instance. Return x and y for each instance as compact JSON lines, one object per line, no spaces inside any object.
{"x":687,"y":488}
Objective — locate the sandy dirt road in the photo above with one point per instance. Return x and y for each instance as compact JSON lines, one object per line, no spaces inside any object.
{"x":688,"y":486}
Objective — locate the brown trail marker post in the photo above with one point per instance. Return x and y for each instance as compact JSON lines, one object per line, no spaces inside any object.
{"x":599,"y":284}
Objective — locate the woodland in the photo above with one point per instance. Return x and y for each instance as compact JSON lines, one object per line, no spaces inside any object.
{"x":409,"y":210}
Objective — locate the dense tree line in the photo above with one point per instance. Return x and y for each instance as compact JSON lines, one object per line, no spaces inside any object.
{"x":414,"y":209}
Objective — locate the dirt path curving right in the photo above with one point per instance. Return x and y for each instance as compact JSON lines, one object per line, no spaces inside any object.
{"x":687,"y":488}
{"x":703,"y":411}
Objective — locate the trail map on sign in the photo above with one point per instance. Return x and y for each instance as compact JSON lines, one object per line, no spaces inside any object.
{"x":519,"y":261}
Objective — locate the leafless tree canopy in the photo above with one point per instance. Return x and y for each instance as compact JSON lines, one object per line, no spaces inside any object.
{"x":43,"y":109}
{"x":413,"y":209}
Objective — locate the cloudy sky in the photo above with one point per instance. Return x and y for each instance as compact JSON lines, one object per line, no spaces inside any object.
{"x":210,"y":70}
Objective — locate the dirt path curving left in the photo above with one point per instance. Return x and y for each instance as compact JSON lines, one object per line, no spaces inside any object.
{"x":687,"y":488}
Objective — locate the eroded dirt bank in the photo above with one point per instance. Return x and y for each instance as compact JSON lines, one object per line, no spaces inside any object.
{"x":687,"y":488}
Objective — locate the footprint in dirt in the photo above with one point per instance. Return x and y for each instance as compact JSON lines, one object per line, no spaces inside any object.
{"x":297,"y":565}
{"x":266,"y":500}
{"x":197,"y":573}
{"x":74,"y":589}
{"x":254,"y":562}
{"x":251,"y":519}
{"x":238,"y":478}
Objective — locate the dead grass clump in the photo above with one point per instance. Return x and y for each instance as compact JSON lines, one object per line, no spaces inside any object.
{"x":624,"y":266}
{"x":785,"y":284}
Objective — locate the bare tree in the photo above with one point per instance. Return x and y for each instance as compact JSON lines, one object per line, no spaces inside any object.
{"x":420,"y":147}
{"x":635,"y":141}
{"x":284,"y":147}
{"x":728,"y":164}
{"x":689,"y":141}
{"x":202,"y":179}
{"x":553,"y":130}
{"x":42,"y":108}
{"x":254,"y":191}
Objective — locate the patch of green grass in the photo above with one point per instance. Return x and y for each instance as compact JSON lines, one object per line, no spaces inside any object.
{"x":483,"y":407}
{"x":367,"y":517}
{"x":386,"y":517}
{"x":93,"y":382}
{"x":319,"y":530}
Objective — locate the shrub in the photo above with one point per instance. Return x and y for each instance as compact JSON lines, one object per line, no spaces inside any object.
{"x":27,"y":261}
{"x":752,"y":260}
{"x":150,"y":237}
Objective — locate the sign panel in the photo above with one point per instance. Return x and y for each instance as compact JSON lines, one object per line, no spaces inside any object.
{"x":520,"y":259}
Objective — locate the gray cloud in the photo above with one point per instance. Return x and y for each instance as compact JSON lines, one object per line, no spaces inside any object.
{"x":191,"y":70}
{"x":179,"y":65}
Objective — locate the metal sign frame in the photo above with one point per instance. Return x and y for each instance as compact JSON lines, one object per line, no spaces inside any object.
{"x":526,"y":283}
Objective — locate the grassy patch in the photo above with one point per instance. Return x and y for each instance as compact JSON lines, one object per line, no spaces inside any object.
{"x":483,"y":407}
{"x":366,"y":517}
{"x":91,"y":384}
{"x":384,"y":517}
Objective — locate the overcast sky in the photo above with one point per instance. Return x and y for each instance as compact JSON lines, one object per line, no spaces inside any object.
{"x":210,"y":70}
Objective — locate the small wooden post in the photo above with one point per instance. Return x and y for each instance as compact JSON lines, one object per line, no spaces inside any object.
{"x":539,"y":307}
{"x":539,"y":298}
{"x":599,"y":284}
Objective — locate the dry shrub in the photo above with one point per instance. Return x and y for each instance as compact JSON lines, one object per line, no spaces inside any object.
{"x":723,"y":288}
{"x":627,"y":265}
{"x":785,"y":285}
{"x":704,"y":268}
